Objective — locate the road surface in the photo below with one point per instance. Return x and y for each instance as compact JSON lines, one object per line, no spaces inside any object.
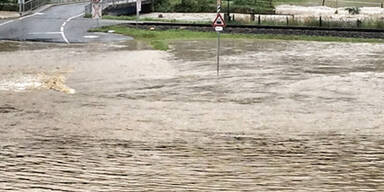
{"x":64,"y":24}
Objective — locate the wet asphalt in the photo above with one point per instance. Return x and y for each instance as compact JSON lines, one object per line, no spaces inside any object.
{"x":62,"y":24}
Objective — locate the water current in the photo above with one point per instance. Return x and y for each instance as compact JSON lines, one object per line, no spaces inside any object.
{"x":282,"y":116}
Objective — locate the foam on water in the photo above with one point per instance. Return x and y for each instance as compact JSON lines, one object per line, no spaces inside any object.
{"x":23,"y":82}
{"x":20,"y":84}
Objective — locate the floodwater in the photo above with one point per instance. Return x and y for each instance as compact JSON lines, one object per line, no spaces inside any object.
{"x":282,"y":116}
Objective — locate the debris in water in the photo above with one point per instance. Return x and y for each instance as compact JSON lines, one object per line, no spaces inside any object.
{"x":55,"y":81}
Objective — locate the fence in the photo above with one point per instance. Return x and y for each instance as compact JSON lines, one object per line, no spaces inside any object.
{"x":334,"y":3}
{"x":107,"y":3}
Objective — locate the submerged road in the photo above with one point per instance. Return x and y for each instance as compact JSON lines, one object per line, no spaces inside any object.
{"x":284,"y":116}
{"x":64,"y":24}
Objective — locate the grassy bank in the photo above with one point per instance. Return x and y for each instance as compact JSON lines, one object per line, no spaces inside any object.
{"x":133,"y":18}
{"x":159,"y":39}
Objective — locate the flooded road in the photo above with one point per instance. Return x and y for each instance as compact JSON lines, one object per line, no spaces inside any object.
{"x":283,"y":116}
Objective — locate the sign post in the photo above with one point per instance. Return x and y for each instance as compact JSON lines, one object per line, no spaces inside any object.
{"x":219,"y":25}
{"x":138,"y":9}
{"x":218,"y":53}
{"x":21,"y":5}
{"x":97,"y":10}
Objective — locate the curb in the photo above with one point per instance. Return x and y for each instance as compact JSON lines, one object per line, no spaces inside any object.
{"x":10,"y":17}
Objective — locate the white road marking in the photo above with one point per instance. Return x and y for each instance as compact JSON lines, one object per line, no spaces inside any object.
{"x":44,"y":33}
{"x":19,"y":19}
{"x":28,"y":16}
{"x":10,"y":21}
{"x":91,"y":36}
{"x":63,"y":26}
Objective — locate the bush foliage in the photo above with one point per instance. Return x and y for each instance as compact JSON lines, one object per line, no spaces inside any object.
{"x":236,"y":6}
{"x":8,"y":5}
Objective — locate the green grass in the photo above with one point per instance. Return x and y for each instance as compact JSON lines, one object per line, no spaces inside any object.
{"x":133,"y":18}
{"x":159,"y":39}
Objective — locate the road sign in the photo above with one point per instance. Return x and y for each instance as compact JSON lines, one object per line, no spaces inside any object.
{"x":138,"y":5}
{"x":219,"y":21}
{"x":96,"y":10}
{"x":218,"y":6}
{"x":219,"y":29}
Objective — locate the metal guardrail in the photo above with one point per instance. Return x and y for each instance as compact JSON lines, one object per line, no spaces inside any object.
{"x":107,"y":3}
{"x":115,"y":2}
{"x":29,"y":6}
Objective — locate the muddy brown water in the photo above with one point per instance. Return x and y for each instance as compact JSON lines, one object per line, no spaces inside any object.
{"x":282,"y":116}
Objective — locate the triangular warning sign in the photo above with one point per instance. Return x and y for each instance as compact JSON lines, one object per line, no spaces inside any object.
{"x":219,"y":21}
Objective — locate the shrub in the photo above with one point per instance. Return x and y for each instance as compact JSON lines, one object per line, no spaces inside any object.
{"x":163,"y":6}
{"x":195,"y":6}
{"x":353,"y":10}
{"x":237,"y":6}
{"x":251,"y":6}
{"x":8,"y":5}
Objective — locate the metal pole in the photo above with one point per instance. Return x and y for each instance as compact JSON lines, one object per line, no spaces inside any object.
{"x":20,"y":8}
{"x":137,"y":12}
{"x":229,"y":17}
{"x":218,"y":40}
{"x":137,"y":16}
{"x":218,"y":53}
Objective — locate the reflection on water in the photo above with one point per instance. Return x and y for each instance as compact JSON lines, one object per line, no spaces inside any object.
{"x":283,"y":116}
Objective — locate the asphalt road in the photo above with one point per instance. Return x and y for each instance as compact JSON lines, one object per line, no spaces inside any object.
{"x":64,"y":23}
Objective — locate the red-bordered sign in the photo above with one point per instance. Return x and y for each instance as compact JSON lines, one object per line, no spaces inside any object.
{"x":219,"y":21}
{"x":96,"y":11}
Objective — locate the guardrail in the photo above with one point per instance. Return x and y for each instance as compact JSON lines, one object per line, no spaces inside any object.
{"x":31,"y":5}
{"x":115,"y":2}
{"x":108,"y":3}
